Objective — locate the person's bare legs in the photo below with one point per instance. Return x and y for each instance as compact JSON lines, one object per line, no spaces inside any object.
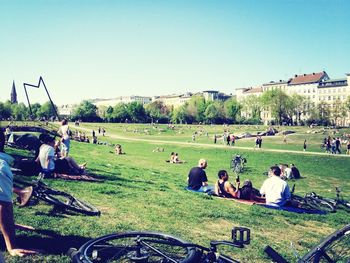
{"x":7,"y":226}
{"x":73,"y":164}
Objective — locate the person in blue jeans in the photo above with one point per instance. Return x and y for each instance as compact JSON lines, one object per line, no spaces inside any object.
{"x":197,"y":178}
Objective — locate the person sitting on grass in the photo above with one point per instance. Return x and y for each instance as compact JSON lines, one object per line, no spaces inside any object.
{"x":50,"y":165}
{"x":197,"y":178}
{"x":224,"y":188}
{"x":275,"y":189}
{"x":176,"y":159}
{"x":7,"y":224}
{"x":118,"y":149}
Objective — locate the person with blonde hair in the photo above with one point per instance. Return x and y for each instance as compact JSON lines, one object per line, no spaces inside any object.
{"x":197,"y":178}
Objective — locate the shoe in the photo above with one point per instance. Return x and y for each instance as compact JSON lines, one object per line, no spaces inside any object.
{"x":25,"y":195}
{"x":83,"y":165}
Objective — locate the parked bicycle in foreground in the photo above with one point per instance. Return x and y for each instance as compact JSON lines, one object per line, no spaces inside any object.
{"x":58,"y":198}
{"x":155,"y":247}
{"x":334,"y":248}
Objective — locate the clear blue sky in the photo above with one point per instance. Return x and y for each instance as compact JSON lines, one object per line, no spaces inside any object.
{"x":101,"y":49}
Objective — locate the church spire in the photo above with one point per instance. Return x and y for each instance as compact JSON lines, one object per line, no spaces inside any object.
{"x":13,"y":94}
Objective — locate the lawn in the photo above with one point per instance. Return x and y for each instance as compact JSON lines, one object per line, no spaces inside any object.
{"x":142,"y":192}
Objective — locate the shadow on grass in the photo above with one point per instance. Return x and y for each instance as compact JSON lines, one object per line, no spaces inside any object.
{"x":49,"y":242}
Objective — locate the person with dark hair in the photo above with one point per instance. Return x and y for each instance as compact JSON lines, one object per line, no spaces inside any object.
{"x":49,"y":164}
{"x":224,"y":188}
{"x":2,"y":140}
{"x":295,"y":174}
{"x":275,"y":188}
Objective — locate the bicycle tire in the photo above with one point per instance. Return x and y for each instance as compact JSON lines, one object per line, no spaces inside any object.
{"x":334,"y":248}
{"x":318,"y":203}
{"x":67,"y":201}
{"x":124,"y":247}
{"x":344,"y":205}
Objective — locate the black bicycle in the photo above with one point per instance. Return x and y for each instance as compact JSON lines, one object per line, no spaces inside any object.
{"x":334,"y":248}
{"x":142,"y":247}
{"x":58,"y":198}
{"x":237,"y":164}
{"x":338,"y":202}
{"x":311,"y":201}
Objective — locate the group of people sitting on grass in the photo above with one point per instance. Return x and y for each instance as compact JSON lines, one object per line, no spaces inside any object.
{"x":174,"y":158}
{"x":274,"y":191}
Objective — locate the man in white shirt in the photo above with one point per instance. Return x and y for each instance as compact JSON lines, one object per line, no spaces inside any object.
{"x":276,"y":190}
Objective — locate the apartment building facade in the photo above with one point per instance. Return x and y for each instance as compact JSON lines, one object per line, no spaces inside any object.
{"x":317,"y":88}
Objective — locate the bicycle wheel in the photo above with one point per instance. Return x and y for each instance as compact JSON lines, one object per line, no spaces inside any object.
{"x":67,"y":201}
{"x":319,"y":203}
{"x":137,"y":247}
{"x":335,"y":248}
{"x":345,"y":205}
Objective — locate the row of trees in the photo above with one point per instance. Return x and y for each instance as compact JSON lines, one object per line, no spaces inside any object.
{"x":282,"y":108}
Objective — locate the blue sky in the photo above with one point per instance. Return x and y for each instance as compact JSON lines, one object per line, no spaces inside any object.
{"x":100,"y":49}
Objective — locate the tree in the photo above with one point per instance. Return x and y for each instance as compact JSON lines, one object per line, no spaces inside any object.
{"x":158,"y":111}
{"x":252,"y":107}
{"x":180,"y":115}
{"x":277,"y":102}
{"x":196,"y":108}
{"x":120,"y":113}
{"x":136,"y":112}
{"x":232,"y":110}
{"x":214,"y":113}
{"x":294,"y":107}
{"x":5,"y":110}
{"x":339,"y":111}
{"x":85,"y":111}
{"x":46,"y":111}
{"x":19,"y":111}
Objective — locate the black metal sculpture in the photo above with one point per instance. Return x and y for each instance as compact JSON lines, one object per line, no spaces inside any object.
{"x":37,"y":86}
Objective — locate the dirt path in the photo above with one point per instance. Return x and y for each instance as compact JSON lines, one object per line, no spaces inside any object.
{"x":206,"y":145}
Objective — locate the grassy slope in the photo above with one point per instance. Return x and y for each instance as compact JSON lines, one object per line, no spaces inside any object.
{"x":143,"y":192}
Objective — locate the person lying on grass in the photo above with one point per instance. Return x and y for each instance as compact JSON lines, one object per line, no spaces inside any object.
{"x":7,"y":225}
{"x":49,"y":164}
{"x":224,"y":188}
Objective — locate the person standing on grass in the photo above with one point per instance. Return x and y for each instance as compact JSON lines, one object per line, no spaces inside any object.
{"x":348,"y":147}
{"x":337,"y":145}
{"x":304,"y":146}
{"x":197,"y":178}
{"x":275,"y":189}
{"x":2,"y":140}
{"x":64,"y":132}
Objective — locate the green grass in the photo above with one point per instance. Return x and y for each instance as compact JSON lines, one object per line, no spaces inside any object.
{"x":142,"y":192}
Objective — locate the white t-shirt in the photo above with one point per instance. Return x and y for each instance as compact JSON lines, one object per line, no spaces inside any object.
{"x":46,"y":153}
{"x":64,"y":131}
{"x":276,"y":191}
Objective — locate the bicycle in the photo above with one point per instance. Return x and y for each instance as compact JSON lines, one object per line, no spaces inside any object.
{"x":237,"y":164}
{"x":155,"y":247}
{"x":59,"y":199}
{"x":334,"y":248}
{"x":311,"y":201}
{"x":338,"y":202}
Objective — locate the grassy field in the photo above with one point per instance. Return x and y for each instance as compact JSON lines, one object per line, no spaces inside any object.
{"x":142,"y":192}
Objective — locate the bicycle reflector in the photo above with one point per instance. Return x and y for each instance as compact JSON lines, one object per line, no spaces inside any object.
{"x":241,"y":235}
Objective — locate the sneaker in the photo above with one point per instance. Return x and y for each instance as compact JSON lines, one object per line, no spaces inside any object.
{"x":25,"y":195}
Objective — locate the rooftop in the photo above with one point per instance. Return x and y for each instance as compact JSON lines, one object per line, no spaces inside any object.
{"x":307,"y":78}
